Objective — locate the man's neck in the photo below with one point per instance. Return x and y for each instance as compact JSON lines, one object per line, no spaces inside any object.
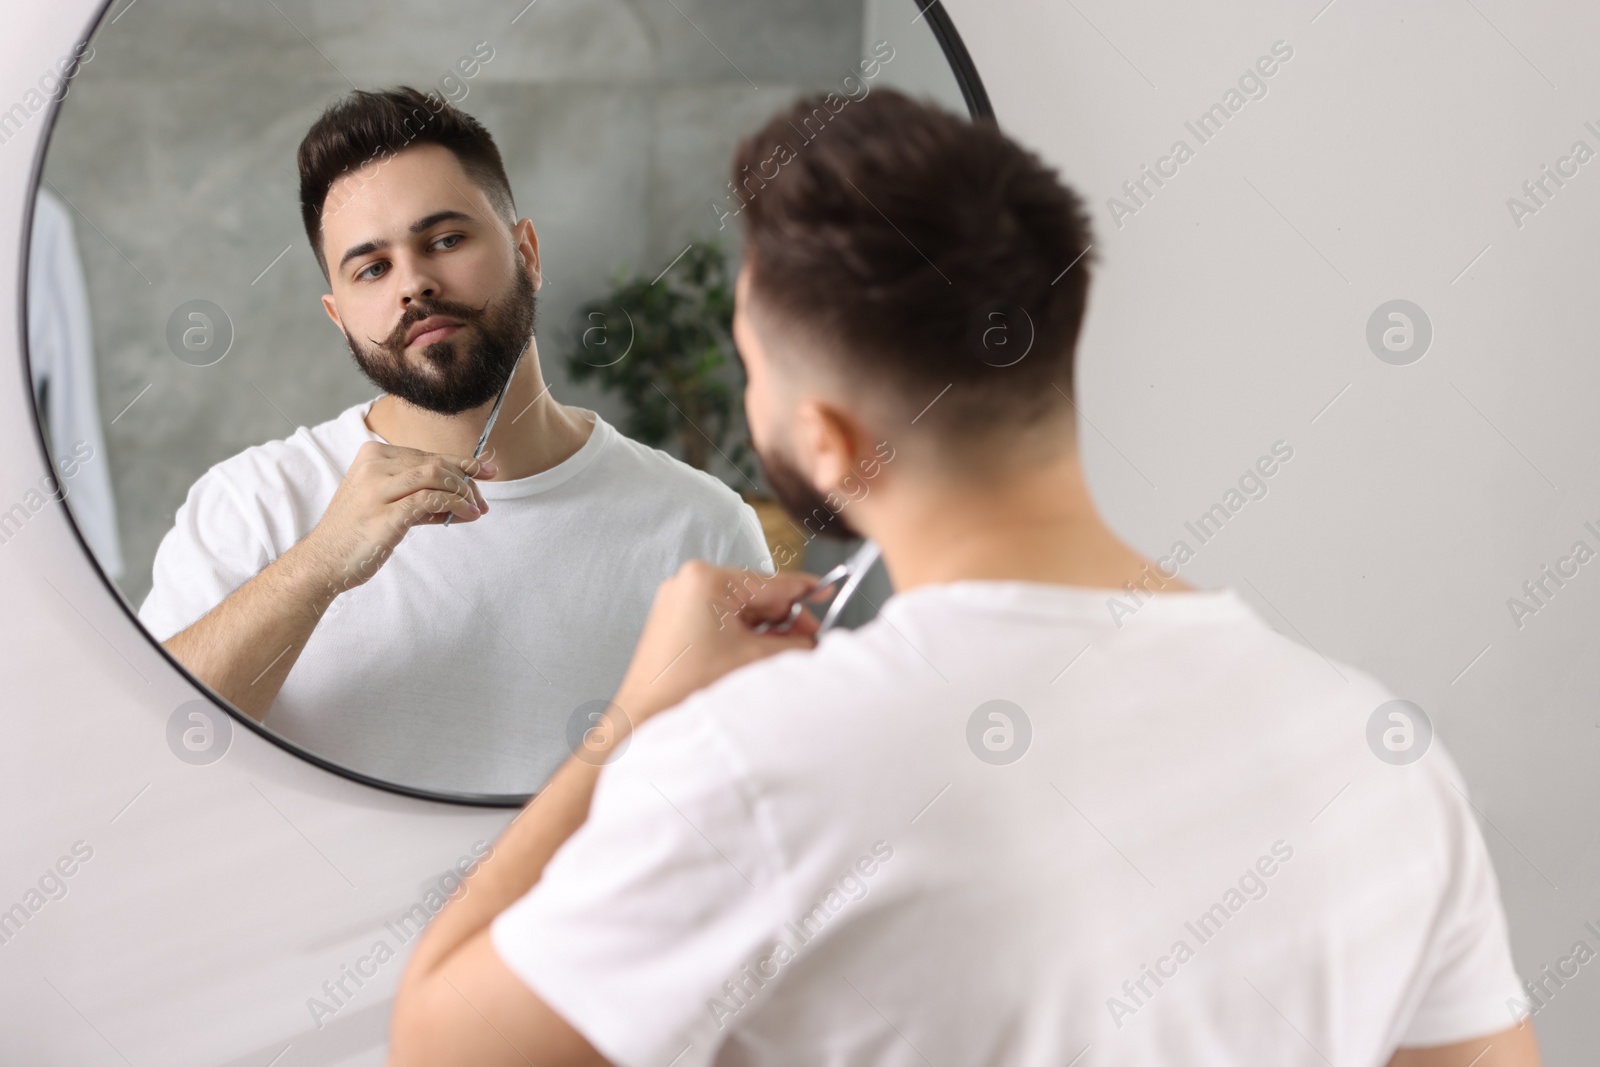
{"x":532,"y":433}
{"x":1037,"y":526}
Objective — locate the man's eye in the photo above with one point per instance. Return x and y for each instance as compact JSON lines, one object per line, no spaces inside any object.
{"x":367,"y":271}
{"x":453,"y":239}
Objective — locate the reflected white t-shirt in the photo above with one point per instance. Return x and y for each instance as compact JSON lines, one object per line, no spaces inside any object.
{"x":821,"y":859}
{"x":459,"y":664}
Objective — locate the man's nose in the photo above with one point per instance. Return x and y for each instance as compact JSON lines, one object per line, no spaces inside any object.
{"x":417,"y":282}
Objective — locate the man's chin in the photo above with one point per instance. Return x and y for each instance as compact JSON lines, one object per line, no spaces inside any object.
{"x":439,"y":354}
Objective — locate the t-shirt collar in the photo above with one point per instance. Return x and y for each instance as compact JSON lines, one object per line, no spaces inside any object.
{"x":541,"y":482}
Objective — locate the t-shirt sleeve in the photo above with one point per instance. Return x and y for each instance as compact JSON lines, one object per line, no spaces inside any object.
{"x":747,"y":544}
{"x":1471,"y":985}
{"x":211,"y":550}
{"x":641,"y":927}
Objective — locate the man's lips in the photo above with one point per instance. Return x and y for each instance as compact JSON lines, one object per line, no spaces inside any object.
{"x":433,"y":328}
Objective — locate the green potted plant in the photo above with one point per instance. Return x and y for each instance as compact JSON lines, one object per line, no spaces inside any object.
{"x":666,"y":347}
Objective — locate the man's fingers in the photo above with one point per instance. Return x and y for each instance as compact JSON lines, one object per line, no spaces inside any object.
{"x":798,"y":587}
{"x":426,"y":471}
{"x":751,"y":596}
{"x":805,"y":624}
{"x":399,"y":457}
{"x":764,"y":597}
{"x":429,"y":506}
{"x":472,"y":469}
{"x":482,"y":467}
{"x":472,"y":486}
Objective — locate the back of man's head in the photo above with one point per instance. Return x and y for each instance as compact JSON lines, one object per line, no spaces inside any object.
{"x":915,"y":256}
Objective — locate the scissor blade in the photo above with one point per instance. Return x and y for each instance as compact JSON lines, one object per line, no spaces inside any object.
{"x":494,"y":413}
{"x":859,"y":563}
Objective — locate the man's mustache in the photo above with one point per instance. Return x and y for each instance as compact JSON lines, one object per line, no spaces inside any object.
{"x":396,"y":341}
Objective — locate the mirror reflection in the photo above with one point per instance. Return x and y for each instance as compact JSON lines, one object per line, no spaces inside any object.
{"x":288,"y":260}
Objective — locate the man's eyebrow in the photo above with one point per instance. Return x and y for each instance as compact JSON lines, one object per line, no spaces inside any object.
{"x":360,"y":250}
{"x":425,"y":223}
{"x":430,"y":221}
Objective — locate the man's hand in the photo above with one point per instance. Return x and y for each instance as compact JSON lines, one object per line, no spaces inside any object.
{"x":699,"y":629}
{"x":388,"y":490}
{"x":245,"y":646}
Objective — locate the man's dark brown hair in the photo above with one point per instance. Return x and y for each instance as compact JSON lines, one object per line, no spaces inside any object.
{"x":917,"y":249}
{"x":360,"y":131}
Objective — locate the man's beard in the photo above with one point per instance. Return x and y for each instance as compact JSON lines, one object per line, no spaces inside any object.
{"x":495,"y":334}
{"x":800,"y":499}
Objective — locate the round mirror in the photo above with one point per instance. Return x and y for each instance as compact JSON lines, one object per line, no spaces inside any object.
{"x":288,"y":264}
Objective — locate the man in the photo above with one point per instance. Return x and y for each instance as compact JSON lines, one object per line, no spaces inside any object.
{"x":310,"y":580}
{"x":992,"y":826}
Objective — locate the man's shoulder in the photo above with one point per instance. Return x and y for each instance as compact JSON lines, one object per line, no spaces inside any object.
{"x":918,"y":670}
{"x":657,"y":471}
{"x":303,"y":462}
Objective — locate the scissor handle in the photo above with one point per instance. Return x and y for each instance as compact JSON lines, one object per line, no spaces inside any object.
{"x":850,"y":573}
{"x":780,"y":626}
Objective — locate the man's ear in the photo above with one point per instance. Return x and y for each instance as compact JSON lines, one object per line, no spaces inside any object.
{"x":526,"y":242}
{"x":832,"y":443}
{"x":332,"y":308}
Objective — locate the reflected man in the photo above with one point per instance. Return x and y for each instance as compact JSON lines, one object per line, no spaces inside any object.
{"x":310,"y":581}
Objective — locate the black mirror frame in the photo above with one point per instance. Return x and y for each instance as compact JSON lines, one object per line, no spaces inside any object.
{"x":972,"y":90}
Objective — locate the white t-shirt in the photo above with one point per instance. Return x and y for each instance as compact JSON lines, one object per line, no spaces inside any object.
{"x":459,"y":664}
{"x":807,"y":862}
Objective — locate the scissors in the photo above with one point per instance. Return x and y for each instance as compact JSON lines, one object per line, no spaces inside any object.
{"x":494,"y":413}
{"x":850,"y":573}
